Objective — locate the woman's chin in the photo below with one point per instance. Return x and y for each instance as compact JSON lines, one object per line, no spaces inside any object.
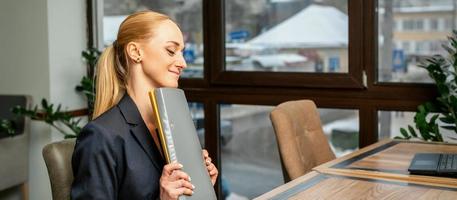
{"x":170,"y":84}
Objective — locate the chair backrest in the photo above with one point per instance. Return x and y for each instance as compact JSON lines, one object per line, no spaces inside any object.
{"x":301,"y":140}
{"x":57,"y":156}
{"x":14,"y":150}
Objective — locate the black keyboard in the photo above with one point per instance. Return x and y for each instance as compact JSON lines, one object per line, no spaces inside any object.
{"x":434,"y":164}
{"x":447,"y":162}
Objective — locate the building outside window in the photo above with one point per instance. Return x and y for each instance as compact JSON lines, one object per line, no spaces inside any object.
{"x":424,"y":24}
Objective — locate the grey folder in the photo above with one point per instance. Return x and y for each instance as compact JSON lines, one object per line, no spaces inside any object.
{"x":179,"y":139}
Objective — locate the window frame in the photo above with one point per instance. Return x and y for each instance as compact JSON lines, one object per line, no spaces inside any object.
{"x":219,"y":76}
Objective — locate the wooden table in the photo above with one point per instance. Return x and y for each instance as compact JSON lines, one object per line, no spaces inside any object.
{"x":379,"y":171}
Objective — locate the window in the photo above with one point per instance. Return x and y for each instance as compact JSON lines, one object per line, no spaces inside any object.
{"x":401,"y":64}
{"x":286,"y":36}
{"x":434,"y":25}
{"x":419,"y":25}
{"x":198,"y":116}
{"x":448,"y":24}
{"x":249,"y":154}
{"x":408,"y":25}
{"x":390,"y":123}
{"x":279,"y":39}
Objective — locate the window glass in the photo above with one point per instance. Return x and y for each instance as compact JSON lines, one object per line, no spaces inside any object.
{"x":341,"y":126}
{"x":188,"y":15}
{"x":286,"y":36}
{"x":425,"y":24}
{"x":390,"y":123}
{"x":198,"y":116}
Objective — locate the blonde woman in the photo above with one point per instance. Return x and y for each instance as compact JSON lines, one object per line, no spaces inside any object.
{"x":117,"y":155}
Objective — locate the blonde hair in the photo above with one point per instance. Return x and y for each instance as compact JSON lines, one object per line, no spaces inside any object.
{"x":113,"y":65}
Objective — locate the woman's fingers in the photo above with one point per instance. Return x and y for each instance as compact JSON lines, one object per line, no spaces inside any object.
{"x":212,"y":170}
{"x":169,"y":168}
{"x":182,"y":184}
{"x":185,"y":191}
{"x":208,"y":161}
{"x":174,"y":182}
{"x":178,"y":174}
{"x":211,"y":167}
{"x":205,"y":153}
{"x":174,"y":193}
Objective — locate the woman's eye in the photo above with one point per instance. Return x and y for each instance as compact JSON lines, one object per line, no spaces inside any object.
{"x":170,"y":52}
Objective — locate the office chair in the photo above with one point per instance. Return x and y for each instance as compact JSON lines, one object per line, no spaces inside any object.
{"x":57,"y":157}
{"x":301,"y":141}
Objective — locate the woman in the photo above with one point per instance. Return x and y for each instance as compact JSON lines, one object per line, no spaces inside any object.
{"x":116,"y":156}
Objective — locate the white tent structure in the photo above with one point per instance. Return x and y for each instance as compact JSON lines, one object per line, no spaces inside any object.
{"x":316,"y":26}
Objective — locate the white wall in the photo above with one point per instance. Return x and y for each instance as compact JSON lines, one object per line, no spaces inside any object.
{"x":40,"y":55}
{"x":67,"y":38}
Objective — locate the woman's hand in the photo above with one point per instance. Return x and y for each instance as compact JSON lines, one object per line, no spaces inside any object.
{"x":212,"y":170}
{"x":174,"y":182}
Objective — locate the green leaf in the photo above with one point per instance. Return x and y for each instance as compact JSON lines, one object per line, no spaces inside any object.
{"x":433,"y":119}
{"x":69,"y":136}
{"x":431,"y":107}
{"x":44,"y":103}
{"x":7,"y":126}
{"x":453,"y":101}
{"x":403,"y":132}
{"x":412,"y":131}
{"x":421,"y":108}
{"x":448,"y":119}
{"x":443,"y":89}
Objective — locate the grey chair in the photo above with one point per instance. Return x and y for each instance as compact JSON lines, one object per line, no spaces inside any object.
{"x":14,"y":150}
{"x":57,"y":156}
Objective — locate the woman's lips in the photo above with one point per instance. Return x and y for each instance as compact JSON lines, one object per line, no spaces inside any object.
{"x":177,"y":73}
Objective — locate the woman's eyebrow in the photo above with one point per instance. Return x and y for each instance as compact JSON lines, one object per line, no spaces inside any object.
{"x":174,"y":42}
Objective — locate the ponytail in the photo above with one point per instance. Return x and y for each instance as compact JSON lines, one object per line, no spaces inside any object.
{"x":109,"y":88}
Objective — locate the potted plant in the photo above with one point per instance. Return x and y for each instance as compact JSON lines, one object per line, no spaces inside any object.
{"x":434,"y":116}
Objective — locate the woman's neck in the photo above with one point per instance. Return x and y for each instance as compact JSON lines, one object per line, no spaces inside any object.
{"x":139,"y":94}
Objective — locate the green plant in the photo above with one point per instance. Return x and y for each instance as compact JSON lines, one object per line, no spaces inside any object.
{"x":7,"y":126}
{"x":86,"y":85}
{"x":53,"y":115}
{"x":444,"y":108}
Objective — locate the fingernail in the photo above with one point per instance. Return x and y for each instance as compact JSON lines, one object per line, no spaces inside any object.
{"x":192,"y":192}
{"x":193,"y":187}
{"x":190,"y":178}
{"x":180,"y":165}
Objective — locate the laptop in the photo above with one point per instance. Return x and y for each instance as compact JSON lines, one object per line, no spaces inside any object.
{"x":434,"y":164}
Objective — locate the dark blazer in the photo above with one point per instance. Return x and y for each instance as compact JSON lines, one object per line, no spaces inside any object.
{"x":115,"y":157}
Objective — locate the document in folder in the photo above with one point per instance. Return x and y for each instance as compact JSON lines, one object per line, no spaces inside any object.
{"x":179,"y":139}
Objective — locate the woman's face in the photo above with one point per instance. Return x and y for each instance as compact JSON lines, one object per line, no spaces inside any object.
{"x":163,"y":59}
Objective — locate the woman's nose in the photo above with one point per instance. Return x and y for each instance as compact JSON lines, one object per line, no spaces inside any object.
{"x":181,"y":63}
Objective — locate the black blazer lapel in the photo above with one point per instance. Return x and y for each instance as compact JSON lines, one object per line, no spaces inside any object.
{"x":139,"y":130}
{"x":142,"y":136}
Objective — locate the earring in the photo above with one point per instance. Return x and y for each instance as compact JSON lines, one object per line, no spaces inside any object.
{"x":138,"y":59}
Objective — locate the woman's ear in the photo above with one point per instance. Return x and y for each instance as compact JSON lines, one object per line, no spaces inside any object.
{"x":134,"y":51}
